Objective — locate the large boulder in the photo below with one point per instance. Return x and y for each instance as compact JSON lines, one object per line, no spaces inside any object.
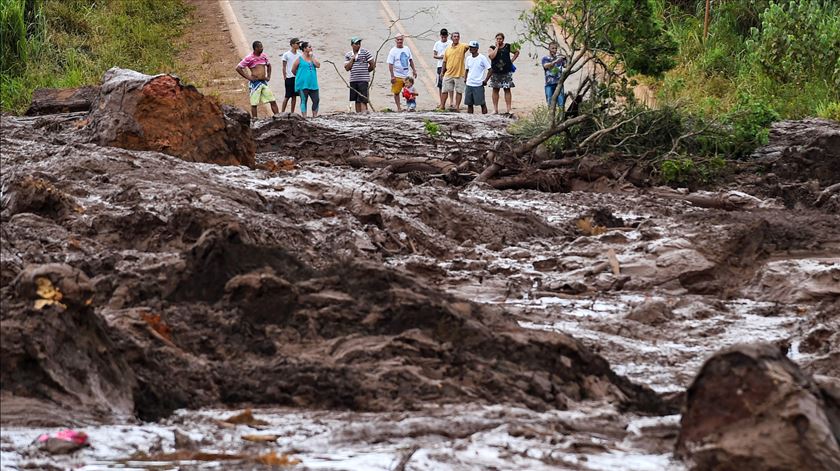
{"x":750,"y":407}
{"x":143,"y":112}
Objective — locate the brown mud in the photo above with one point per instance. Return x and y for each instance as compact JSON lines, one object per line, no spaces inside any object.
{"x":331,"y":277}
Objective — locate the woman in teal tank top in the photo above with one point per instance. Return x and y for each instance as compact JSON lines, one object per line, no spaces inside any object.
{"x":305,"y":69}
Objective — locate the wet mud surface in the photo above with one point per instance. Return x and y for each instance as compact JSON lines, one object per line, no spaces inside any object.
{"x":367,"y":312}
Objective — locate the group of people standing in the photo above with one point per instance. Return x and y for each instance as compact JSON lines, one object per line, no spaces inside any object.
{"x":462,"y":74}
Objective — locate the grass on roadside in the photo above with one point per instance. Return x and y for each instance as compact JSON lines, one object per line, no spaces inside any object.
{"x":68,"y":43}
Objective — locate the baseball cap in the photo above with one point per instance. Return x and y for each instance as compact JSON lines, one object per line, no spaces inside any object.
{"x":444,"y":31}
{"x":473,"y":43}
{"x":355,"y":39}
{"x":294,"y":41}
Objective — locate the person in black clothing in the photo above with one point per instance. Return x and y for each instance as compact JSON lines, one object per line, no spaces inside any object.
{"x":501,"y":77}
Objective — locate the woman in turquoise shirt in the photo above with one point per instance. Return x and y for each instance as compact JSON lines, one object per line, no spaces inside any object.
{"x":305,"y":69}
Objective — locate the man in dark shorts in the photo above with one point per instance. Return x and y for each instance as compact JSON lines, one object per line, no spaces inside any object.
{"x":478,"y":73}
{"x":360,"y":63}
{"x":289,"y":58}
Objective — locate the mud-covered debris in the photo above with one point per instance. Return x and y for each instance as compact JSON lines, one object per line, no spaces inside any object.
{"x":54,"y":284}
{"x":62,"y":442}
{"x":245,"y":417}
{"x":257,"y":438}
{"x":803,"y":150}
{"x":604,"y":217}
{"x":62,"y":100}
{"x":30,"y":194}
{"x":183,"y":441}
{"x":143,"y":112}
{"x":750,"y":407}
{"x":586,"y":226}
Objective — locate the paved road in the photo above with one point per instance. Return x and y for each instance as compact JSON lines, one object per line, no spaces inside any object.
{"x":328,"y":25}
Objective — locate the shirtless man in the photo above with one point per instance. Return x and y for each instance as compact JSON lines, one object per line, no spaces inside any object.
{"x":259,"y":73}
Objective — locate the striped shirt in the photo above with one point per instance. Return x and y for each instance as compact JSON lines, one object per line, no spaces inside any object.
{"x":359,"y":72}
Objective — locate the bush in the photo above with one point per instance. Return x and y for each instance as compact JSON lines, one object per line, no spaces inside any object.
{"x":829,"y":110}
{"x":764,"y":60}
{"x":799,"y":41}
{"x":689,"y":171}
{"x":750,"y":127}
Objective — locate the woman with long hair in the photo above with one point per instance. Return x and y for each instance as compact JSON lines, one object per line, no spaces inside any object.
{"x":305,"y":69}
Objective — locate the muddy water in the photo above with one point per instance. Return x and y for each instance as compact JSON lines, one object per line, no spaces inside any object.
{"x":689,"y":281}
{"x":329,"y":25}
{"x":469,"y":437}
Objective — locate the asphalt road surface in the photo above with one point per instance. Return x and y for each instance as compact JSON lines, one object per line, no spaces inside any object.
{"x":330,"y":24}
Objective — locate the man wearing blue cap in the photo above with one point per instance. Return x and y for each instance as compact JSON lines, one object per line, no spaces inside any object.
{"x":360,"y":63}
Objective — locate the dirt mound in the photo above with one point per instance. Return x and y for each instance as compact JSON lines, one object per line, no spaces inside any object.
{"x":741,"y":244}
{"x":56,"y":348}
{"x":803,"y":150}
{"x":460,"y":140}
{"x":142,"y":112}
{"x":752,"y":408}
{"x":800,"y":166}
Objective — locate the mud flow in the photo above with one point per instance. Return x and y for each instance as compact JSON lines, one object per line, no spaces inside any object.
{"x":374,"y":307}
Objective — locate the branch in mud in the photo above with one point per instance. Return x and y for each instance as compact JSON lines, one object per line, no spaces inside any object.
{"x":366,"y":95}
{"x":532,"y":143}
{"x":826,"y":194}
{"x":431,"y":11}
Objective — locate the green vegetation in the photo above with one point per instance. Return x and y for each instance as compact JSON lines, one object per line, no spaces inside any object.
{"x":761,"y":58}
{"x":432,"y":128}
{"x":67,"y":43}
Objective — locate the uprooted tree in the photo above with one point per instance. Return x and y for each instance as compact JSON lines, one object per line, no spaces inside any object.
{"x":605,"y":43}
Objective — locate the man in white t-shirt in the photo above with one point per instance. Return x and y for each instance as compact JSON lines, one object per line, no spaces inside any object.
{"x":478,"y":66}
{"x":289,"y":58}
{"x":439,"y":49}
{"x":400,"y":61}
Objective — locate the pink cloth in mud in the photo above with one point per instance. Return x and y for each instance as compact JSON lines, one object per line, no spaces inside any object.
{"x":74,"y":436}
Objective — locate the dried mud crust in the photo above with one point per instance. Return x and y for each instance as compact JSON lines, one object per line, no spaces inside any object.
{"x":203,"y":291}
{"x":457,"y":139}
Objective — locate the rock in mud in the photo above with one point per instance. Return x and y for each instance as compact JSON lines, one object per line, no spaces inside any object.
{"x":750,"y":407}
{"x":62,"y":100}
{"x":142,"y":112}
{"x":651,"y":312}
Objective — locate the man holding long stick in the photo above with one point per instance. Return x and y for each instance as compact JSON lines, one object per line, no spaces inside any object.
{"x":359,"y":61}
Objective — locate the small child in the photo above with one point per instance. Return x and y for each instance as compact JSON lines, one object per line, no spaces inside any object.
{"x":409,"y":94}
